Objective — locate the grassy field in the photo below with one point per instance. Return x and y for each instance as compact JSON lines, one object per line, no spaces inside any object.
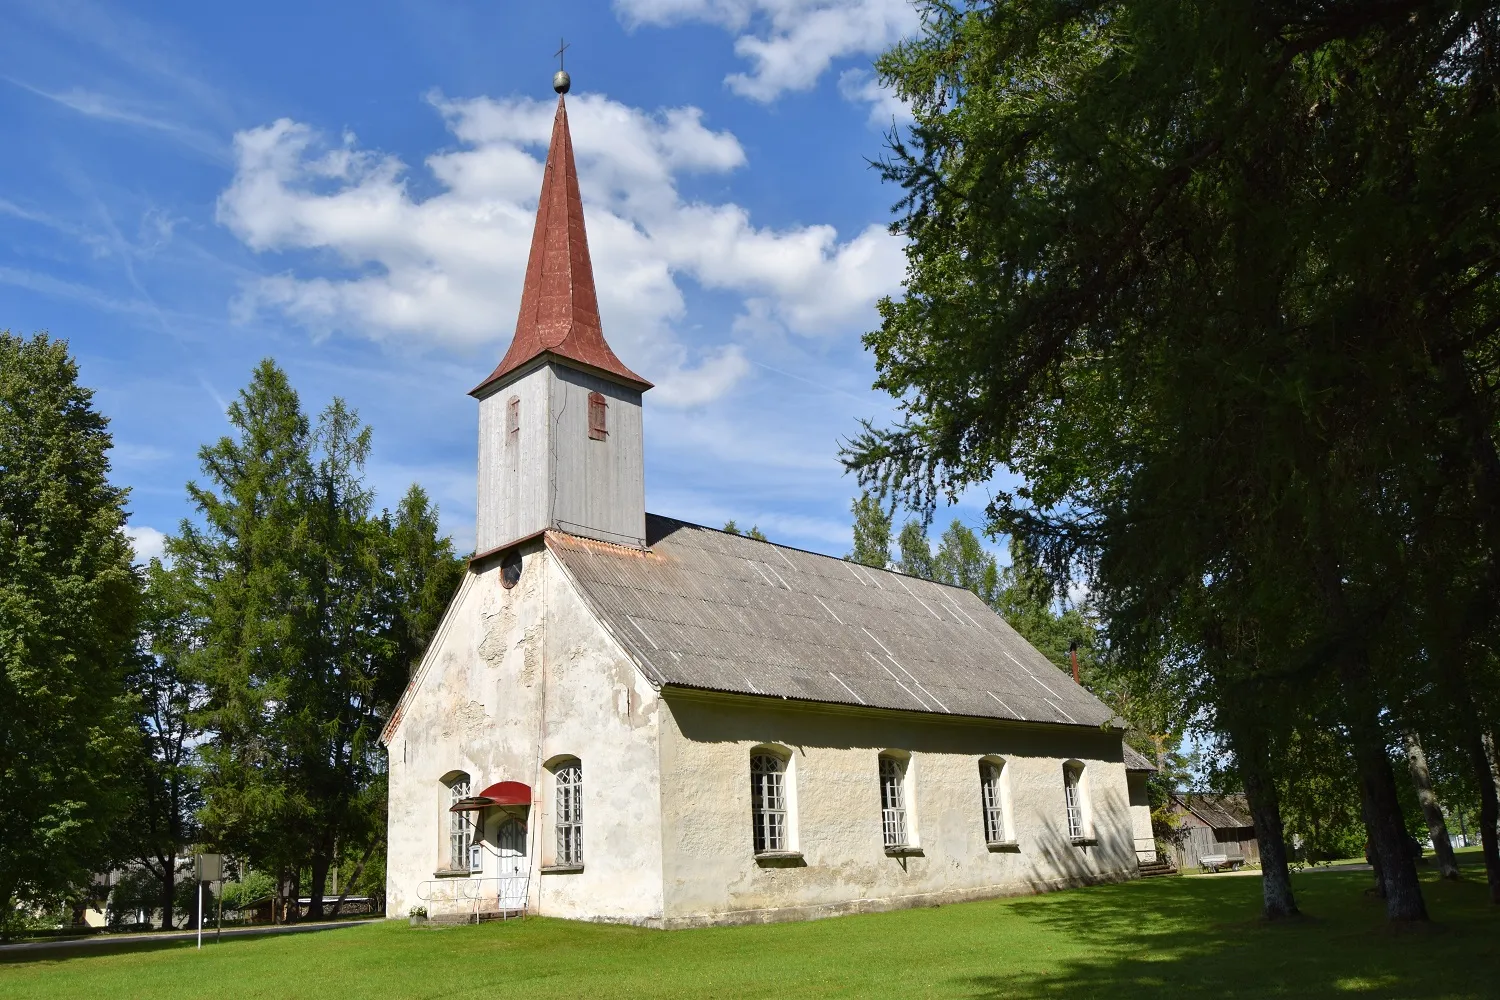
{"x":1166,"y":937}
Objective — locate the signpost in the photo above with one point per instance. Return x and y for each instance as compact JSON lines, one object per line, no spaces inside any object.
{"x":208,"y":868}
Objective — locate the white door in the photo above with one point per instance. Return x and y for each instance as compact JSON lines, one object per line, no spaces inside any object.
{"x":513,"y":865}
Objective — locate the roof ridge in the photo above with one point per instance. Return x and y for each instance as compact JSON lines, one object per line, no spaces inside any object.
{"x":810,"y":552}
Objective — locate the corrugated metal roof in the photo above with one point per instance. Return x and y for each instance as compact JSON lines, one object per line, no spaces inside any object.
{"x":705,"y":609}
{"x":1221,"y":812}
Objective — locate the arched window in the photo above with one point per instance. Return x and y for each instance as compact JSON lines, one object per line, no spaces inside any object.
{"x":463,"y":853}
{"x":768,"y":802}
{"x":1073,"y":795}
{"x":893,"y":825}
{"x":598,"y":416}
{"x":569,"y":780}
{"x":993,"y":796}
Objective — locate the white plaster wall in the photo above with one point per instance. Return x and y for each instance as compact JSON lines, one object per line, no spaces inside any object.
{"x":712,"y":876}
{"x":513,"y":679}
{"x":1140,"y":817}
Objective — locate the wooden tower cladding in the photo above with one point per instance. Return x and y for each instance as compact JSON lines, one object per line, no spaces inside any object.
{"x":560,"y":443}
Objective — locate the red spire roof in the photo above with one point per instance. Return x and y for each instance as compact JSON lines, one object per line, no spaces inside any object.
{"x":559,"y":308}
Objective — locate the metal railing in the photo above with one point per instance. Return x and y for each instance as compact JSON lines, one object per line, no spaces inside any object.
{"x":506,"y":895}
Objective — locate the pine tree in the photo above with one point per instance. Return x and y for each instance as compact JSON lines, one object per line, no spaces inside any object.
{"x":68,"y":601}
{"x":420,"y":574}
{"x":243,"y":556}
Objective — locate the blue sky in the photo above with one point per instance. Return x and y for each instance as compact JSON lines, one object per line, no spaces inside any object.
{"x":349,"y":188}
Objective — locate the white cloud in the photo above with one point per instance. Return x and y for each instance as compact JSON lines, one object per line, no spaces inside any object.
{"x":449,"y":267}
{"x":148,"y":542}
{"x":789,"y":43}
{"x":886,"y":109}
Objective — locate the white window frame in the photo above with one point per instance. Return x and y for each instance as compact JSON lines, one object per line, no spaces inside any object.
{"x":994,"y":799}
{"x":568,"y":779}
{"x":1074,"y":800}
{"x":463,"y":846}
{"x":770,"y":803}
{"x":895,"y":816}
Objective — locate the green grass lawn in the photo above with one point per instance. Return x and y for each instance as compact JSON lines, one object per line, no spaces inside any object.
{"x":1163,"y":937}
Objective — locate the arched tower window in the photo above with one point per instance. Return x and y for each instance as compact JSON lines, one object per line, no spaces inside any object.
{"x":598,"y":416}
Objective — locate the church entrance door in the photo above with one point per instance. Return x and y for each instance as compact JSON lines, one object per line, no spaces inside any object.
{"x":514,"y":866}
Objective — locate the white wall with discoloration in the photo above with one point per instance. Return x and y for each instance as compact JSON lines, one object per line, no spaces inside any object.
{"x":498,"y":696}
{"x":516,"y":679}
{"x":713,"y":877}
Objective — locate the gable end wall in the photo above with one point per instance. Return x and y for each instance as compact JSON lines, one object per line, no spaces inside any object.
{"x":498,"y":695}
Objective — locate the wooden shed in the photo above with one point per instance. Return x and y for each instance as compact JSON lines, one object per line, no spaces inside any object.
{"x":1213,"y":824}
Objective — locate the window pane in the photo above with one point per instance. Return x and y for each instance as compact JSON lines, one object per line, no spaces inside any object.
{"x":994,"y":812}
{"x":892,"y":803}
{"x":460,"y":829}
{"x":569,"y":780}
{"x":768,"y":803}
{"x":1070,"y":792}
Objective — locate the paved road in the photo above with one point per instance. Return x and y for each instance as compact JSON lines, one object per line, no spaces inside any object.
{"x":208,"y":936}
{"x":1353,"y":867}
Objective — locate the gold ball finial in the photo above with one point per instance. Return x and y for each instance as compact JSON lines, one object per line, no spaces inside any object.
{"x":561,"y":81}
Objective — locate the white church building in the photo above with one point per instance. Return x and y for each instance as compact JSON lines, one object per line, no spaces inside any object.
{"x":626,"y":717}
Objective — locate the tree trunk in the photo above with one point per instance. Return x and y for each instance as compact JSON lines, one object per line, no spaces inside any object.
{"x":1398,"y":870}
{"x":1265,"y":810}
{"x":359,"y":870}
{"x":1489,"y":813}
{"x":320,"y":864}
{"x":1442,"y":847}
{"x":168,"y":891}
{"x":1252,"y":755}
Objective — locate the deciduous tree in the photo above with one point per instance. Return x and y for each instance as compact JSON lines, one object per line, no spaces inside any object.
{"x":68,"y":601}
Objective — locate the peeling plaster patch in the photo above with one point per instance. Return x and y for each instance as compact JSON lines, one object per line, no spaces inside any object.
{"x":469,"y":717}
{"x":532,"y":655}
{"x":497,"y":629}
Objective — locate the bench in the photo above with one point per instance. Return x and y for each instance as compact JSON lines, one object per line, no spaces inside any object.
{"x":1220,"y":862}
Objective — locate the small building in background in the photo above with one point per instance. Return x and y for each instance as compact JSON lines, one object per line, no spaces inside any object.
{"x":1213,"y":824}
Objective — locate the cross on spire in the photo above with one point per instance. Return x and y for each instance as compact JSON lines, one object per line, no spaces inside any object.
{"x":562,"y":46}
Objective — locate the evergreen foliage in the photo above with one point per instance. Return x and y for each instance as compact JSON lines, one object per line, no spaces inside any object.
{"x":313,"y":611}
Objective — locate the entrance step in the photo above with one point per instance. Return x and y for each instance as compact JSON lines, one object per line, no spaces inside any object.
{"x":1157,"y":868}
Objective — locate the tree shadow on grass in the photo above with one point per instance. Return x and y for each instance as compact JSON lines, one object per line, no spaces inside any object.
{"x":100,"y":947}
{"x":1203,"y":937}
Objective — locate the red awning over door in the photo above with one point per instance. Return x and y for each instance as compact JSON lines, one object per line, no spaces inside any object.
{"x":502,"y":793}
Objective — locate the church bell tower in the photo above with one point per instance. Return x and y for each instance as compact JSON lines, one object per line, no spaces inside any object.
{"x":560,"y":443}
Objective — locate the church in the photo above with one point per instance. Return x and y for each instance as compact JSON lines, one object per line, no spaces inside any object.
{"x":626,"y":717}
